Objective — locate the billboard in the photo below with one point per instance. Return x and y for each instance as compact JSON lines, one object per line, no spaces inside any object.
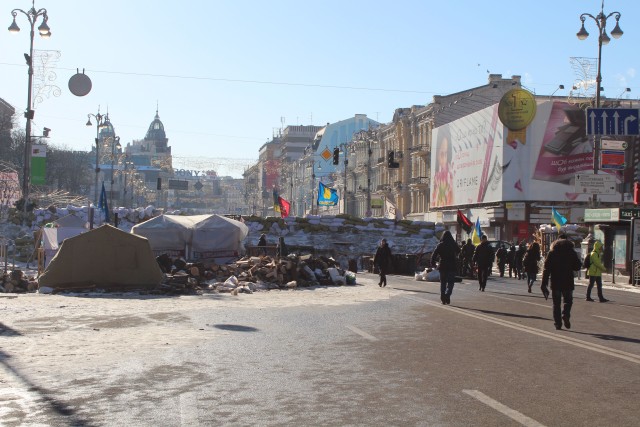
{"x":476,"y":159}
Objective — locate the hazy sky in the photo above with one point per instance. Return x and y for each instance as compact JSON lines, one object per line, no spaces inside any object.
{"x":227,"y":74}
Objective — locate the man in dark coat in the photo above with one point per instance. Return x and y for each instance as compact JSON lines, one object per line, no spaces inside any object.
{"x":446,"y":254}
{"x":262,"y":244}
{"x":511,"y":260}
{"x":501,"y":256}
{"x":522,"y":248}
{"x":382,"y":259}
{"x":467,"y":256}
{"x":483,"y":257}
{"x":559,"y":266}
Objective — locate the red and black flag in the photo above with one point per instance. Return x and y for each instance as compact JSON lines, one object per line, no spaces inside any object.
{"x":464,"y":222}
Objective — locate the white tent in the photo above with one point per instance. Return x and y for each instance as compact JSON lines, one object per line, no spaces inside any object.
{"x":63,"y":228}
{"x":217,"y":237}
{"x":194,"y":237}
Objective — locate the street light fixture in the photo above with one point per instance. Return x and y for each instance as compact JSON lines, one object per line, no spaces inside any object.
{"x":101,"y":120}
{"x":603,"y":39}
{"x":32,"y":16}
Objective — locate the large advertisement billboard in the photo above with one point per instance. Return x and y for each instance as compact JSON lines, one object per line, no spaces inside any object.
{"x":477,"y":160}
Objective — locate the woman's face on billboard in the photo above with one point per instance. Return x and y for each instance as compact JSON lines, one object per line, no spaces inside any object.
{"x":443,"y":150}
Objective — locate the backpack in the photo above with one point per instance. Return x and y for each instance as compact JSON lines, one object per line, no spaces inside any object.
{"x":587,"y":262}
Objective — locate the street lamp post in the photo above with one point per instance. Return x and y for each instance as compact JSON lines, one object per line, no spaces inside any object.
{"x":100,"y":121}
{"x":115,"y":143}
{"x":603,"y":39}
{"x":32,"y":16}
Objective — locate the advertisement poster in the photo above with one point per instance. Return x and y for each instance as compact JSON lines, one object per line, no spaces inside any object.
{"x":476,"y":159}
{"x":620,"y":254}
{"x":38,"y":164}
{"x":466,"y":163}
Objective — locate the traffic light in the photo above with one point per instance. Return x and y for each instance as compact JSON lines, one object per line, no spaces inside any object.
{"x":391,"y":162}
{"x":336,"y":156}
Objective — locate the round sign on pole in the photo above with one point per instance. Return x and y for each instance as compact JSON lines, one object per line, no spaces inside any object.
{"x":517,"y":109}
{"x":80,"y":84}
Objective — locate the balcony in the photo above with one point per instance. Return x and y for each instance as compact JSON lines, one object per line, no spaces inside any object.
{"x":419,"y":182}
{"x":420,"y":150}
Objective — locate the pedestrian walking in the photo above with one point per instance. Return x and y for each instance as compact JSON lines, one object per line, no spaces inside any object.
{"x":522,"y":248}
{"x":530,"y":263}
{"x":445,"y":254}
{"x":483,"y":257}
{"x":262,"y":244}
{"x":511,"y":260}
{"x":559,"y":267}
{"x":467,"y":255}
{"x":595,"y":271}
{"x":501,"y":256}
{"x":382,"y":259}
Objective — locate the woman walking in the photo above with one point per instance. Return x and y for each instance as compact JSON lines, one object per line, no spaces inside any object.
{"x":446,"y":254}
{"x":530,"y":263}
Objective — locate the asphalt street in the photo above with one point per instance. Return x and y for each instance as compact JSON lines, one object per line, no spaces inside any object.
{"x":355,"y":355}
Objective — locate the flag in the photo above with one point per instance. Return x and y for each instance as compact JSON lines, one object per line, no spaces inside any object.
{"x":285,"y":206}
{"x":557,"y":219}
{"x":464,"y":222}
{"x":102,"y":204}
{"x":477,"y":232}
{"x":390,"y":210}
{"x":327,"y":196}
{"x":280,"y":204}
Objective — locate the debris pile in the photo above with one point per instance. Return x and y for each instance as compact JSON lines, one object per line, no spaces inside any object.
{"x":17,"y":282}
{"x":251,"y":274}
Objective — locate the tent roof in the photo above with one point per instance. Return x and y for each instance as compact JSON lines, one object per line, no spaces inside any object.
{"x":71,"y":221}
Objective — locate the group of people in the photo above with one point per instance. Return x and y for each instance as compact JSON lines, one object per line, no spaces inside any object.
{"x":558,"y":273}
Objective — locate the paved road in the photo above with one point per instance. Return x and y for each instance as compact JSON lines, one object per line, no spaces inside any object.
{"x":358,"y":355}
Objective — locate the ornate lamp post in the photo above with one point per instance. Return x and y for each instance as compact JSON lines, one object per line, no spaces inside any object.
{"x":603,"y":39}
{"x":115,"y":144}
{"x":32,"y":16}
{"x":100,"y":119}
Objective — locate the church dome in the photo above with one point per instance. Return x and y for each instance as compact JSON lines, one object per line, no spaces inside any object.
{"x":107,"y":129}
{"x":156,"y":130}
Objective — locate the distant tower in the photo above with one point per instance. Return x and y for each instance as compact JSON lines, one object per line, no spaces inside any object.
{"x":156,"y":137}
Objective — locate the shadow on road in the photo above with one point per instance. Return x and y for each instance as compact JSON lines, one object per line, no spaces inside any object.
{"x":500,"y":313}
{"x":7,"y":331}
{"x":236,"y":328}
{"x":607,"y":337}
{"x":57,"y":406}
{"x":414,"y":290}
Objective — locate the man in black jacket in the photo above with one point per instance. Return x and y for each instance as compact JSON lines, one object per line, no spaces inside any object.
{"x":382,"y":259}
{"x":559,"y":265}
{"x":483,"y":257}
{"x":445,"y":254}
{"x":466,"y":256}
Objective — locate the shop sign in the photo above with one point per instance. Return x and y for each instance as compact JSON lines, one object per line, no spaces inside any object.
{"x":629,"y":213}
{"x":602,"y":215}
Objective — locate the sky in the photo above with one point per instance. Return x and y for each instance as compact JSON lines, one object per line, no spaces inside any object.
{"x":226,"y":75}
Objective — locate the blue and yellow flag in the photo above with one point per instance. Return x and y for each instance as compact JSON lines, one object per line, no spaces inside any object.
{"x":477,"y":232}
{"x":327,"y":196}
{"x":557,"y":219}
{"x":102,"y":203}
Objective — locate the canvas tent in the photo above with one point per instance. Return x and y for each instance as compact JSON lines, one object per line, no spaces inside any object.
{"x":104,"y":258}
{"x":194,"y":236}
